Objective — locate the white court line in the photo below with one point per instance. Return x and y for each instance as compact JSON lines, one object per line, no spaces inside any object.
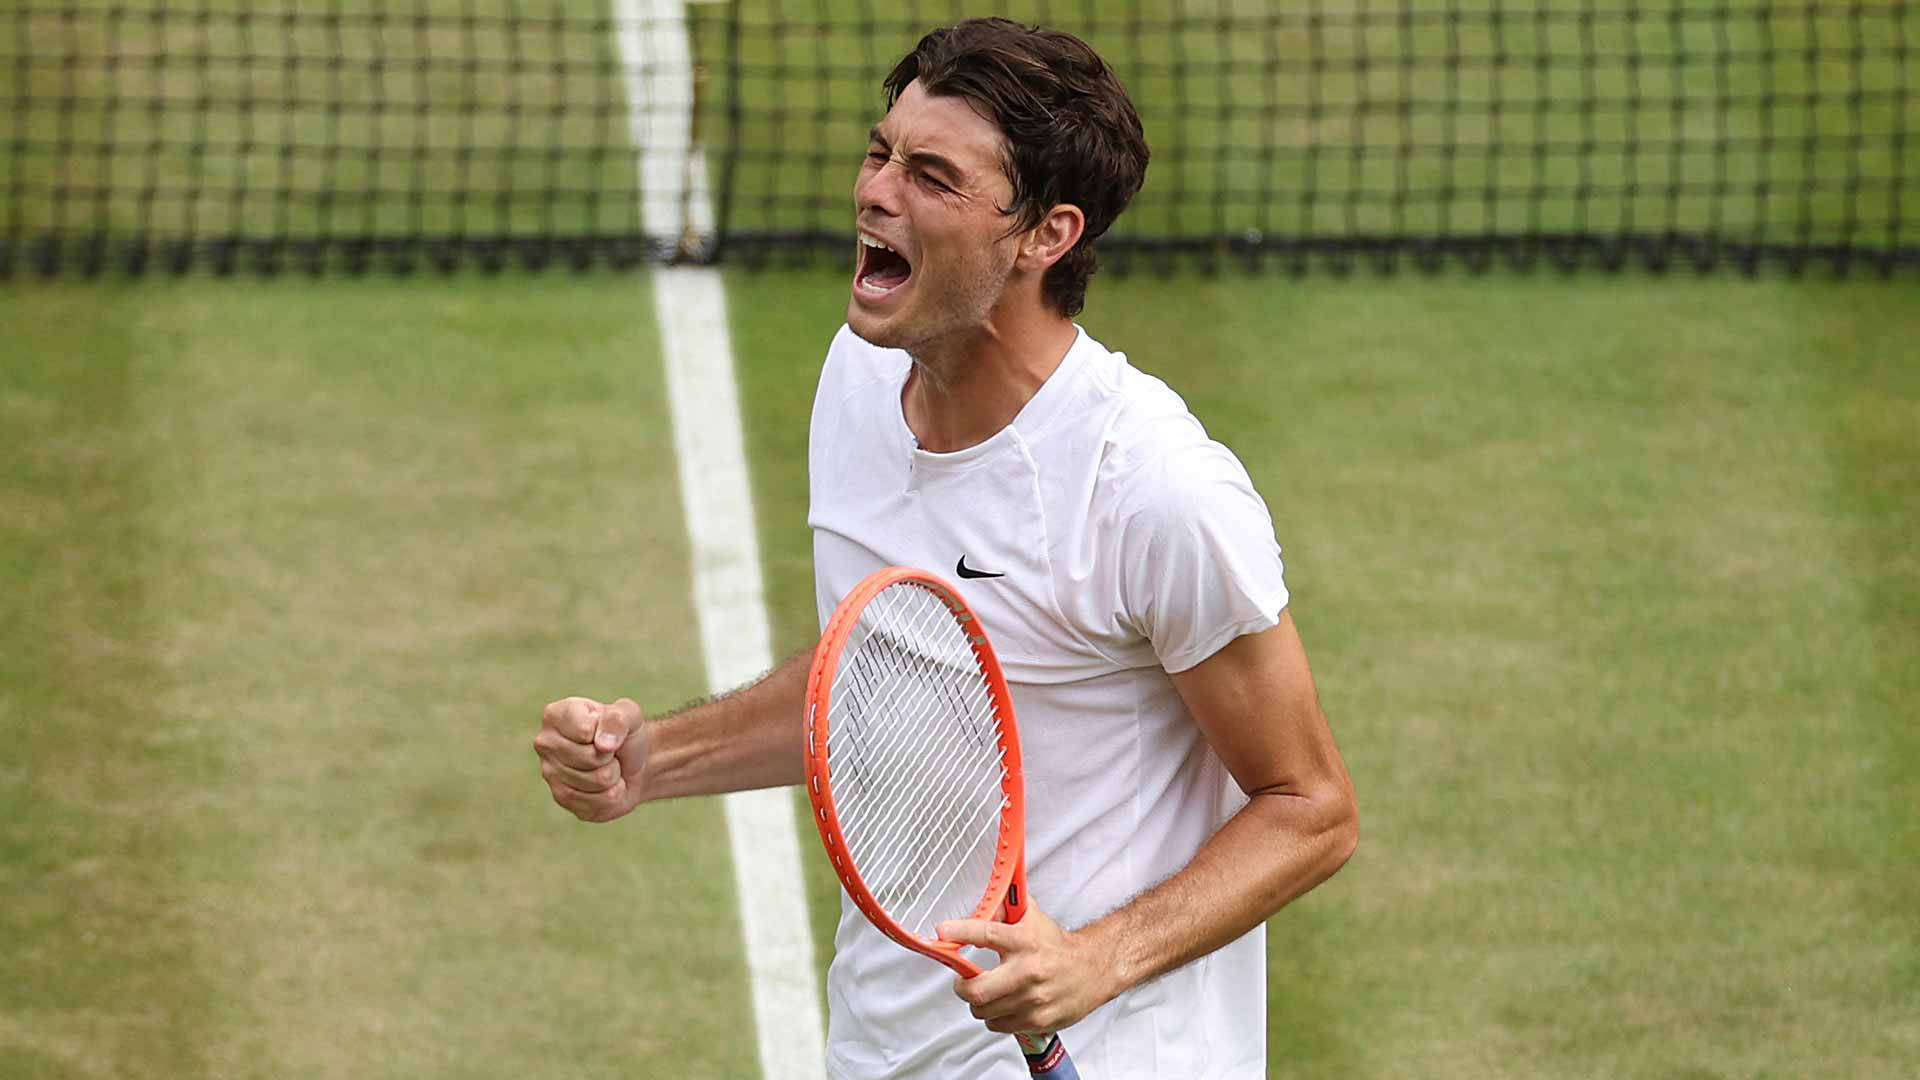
{"x":727,"y":593}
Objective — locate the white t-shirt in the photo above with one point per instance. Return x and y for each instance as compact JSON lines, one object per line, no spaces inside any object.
{"x":1130,"y":545}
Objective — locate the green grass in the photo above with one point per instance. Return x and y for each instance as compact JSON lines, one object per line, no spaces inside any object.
{"x":288,"y":572}
{"x":1609,"y":586}
{"x":1611,"y":594}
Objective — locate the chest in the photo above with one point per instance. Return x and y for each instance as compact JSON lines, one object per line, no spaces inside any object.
{"x":988,"y":525}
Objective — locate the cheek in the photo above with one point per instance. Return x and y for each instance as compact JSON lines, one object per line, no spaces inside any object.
{"x":961,"y":248}
{"x":958,"y":246}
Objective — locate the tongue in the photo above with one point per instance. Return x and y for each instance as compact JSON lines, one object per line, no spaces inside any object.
{"x":885,"y":269}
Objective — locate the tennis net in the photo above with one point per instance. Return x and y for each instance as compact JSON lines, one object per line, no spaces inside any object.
{"x":399,"y":134}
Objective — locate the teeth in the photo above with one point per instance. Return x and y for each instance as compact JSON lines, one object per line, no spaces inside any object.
{"x":872,"y":243}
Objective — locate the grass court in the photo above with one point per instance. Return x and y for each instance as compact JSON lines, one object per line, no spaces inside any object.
{"x":1609,"y":582}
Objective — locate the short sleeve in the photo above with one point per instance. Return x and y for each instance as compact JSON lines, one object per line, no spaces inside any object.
{"x":834,"y":377}
{"x":1202,"y":565}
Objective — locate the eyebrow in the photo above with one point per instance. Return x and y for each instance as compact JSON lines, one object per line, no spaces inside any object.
{"x":921,"y":158}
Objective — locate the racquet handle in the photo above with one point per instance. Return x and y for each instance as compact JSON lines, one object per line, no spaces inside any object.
{"x":1047,"y":1057}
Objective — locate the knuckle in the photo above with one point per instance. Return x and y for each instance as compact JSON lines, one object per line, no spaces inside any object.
{"x":568,"y":715}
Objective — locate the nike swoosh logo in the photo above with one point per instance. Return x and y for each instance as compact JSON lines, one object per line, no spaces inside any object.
{"x":965,"y":571}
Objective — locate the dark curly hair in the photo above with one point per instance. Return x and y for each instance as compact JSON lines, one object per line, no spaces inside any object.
{"x":1072,"y":134}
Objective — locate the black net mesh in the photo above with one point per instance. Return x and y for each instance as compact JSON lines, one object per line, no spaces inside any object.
{"x":1302,"y":133}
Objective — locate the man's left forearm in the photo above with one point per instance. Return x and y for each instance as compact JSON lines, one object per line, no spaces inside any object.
{"x":1277,"y":847}
{"x":1254,"y":702}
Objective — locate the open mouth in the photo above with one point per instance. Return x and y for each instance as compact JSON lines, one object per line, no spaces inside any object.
{"x":882,"y":269}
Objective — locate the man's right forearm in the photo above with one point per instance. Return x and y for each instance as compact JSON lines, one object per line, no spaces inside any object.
{"x":754,"y":737}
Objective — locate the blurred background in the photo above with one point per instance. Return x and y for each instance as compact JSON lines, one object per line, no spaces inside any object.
{"x":1574,"y":343}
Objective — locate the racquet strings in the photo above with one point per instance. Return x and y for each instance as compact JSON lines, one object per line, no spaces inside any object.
{"x":914,"y":759}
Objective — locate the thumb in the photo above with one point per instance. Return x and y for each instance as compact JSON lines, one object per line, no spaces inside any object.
{"x":613,"y":724}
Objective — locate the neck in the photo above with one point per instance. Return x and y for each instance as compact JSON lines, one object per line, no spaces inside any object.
{"x":962,"y":393}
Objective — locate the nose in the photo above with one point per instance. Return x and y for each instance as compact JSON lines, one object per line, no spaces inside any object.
{"x":878,"y":189}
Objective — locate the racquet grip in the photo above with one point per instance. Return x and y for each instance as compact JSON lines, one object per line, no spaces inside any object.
{"x":1047,"y":1057}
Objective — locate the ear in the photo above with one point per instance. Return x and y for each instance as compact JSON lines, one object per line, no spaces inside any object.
{"x":1048,"y":242}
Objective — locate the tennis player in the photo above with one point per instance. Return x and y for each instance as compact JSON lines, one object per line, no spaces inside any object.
{"x":1182,"y":782}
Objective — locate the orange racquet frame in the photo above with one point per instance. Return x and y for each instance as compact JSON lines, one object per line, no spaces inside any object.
{"x":1006,"y":895}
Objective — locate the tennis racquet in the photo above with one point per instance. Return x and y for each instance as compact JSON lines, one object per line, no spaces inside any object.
{"x":913,"y":768}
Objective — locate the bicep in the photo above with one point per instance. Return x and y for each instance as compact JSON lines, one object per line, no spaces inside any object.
{"x":1255,"y":703}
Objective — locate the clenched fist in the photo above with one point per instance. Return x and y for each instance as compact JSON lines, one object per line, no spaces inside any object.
{"x":591,"y":755}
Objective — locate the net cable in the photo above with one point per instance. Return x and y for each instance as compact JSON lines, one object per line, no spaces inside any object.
{"x":400,"y":135}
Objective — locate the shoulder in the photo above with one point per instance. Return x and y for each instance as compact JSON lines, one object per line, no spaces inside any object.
{"x":1195,"y":552}
{"x":1157,"y":456}
{"x":1129,"y":415}
{"x":852,"y":363}
{"x":852,"y":367}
